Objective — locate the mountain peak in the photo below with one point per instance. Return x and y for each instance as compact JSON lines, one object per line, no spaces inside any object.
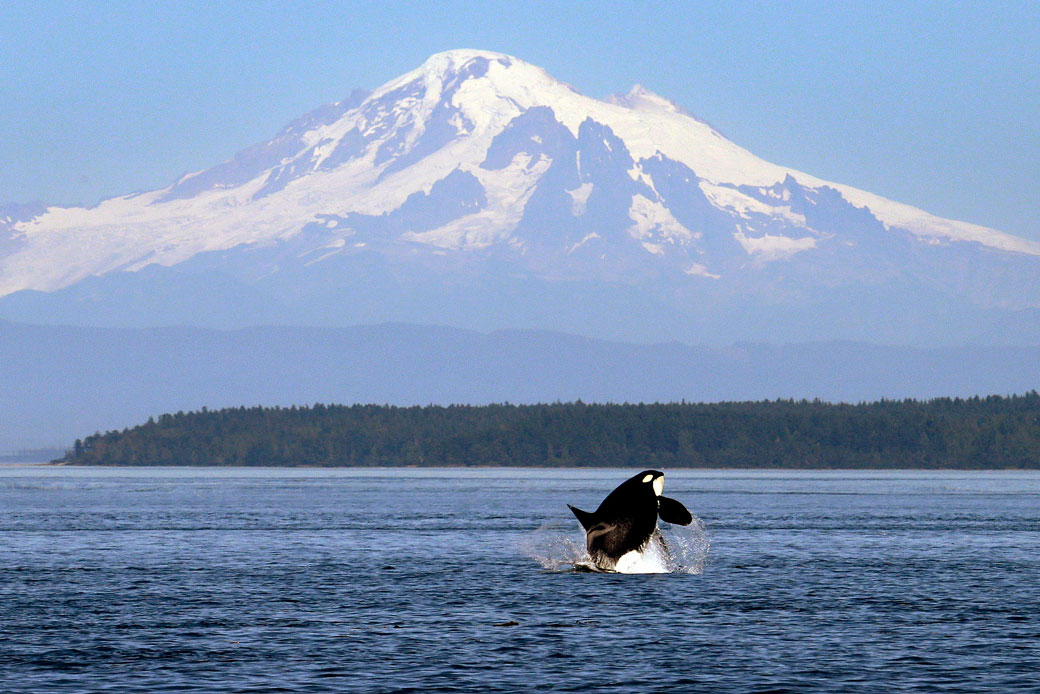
{"x":459,"y":57}
{"x":448,"y":66}
{"x":442,"y":74}
{"x":479,"y":163}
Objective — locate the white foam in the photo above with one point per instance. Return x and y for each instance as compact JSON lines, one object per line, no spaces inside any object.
{"x":651,"y":560}
{"x":559,"y":545}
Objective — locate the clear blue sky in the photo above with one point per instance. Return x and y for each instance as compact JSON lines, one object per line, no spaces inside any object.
{"x":932,"y":103}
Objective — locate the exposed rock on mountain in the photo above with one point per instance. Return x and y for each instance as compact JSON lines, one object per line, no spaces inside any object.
{"x":480,"y":192}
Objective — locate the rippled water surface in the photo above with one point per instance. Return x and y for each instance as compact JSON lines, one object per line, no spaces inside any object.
{"x":278,"y":580}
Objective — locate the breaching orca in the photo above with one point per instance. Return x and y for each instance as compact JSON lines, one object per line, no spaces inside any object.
{"x":626,"y":521}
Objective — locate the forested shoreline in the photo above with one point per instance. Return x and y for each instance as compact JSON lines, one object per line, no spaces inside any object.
{"x":975,"y":433}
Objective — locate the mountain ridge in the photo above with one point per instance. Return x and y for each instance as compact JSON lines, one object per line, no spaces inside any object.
{"x":478,"y":167}
{"x":65,"y":382}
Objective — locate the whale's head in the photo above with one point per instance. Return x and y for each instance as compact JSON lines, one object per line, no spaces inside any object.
{"x":654,"y":478}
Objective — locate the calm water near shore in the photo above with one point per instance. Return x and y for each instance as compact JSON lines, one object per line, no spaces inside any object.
{"x":427,"y":580}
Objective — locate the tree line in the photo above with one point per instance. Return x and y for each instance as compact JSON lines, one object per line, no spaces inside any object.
{"x":973,"y":433}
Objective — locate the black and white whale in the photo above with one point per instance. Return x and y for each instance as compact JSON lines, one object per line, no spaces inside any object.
{"x":626,"y":521}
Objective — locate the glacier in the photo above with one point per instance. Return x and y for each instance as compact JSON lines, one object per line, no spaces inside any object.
{"x":480,"y":192}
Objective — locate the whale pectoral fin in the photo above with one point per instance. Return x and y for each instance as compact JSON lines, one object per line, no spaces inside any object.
{"x":672,"y":511}
{"x":586,"y":519}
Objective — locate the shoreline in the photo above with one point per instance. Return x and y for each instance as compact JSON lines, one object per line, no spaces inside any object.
{"x":76,"y":466}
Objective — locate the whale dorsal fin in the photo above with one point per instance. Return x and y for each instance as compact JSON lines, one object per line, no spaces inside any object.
{"x":586,"y":519}
{"x":672,"y":511}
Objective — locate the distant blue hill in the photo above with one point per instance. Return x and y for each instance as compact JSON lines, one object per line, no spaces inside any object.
{"x":59,"y":383}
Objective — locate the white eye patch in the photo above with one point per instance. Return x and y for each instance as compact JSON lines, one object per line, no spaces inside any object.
{"x":647,"y":478}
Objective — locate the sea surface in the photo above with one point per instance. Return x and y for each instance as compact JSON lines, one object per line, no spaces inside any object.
{"x":461,"y":580}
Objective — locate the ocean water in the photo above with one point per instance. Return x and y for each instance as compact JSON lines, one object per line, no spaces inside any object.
{"x":285,"y":580}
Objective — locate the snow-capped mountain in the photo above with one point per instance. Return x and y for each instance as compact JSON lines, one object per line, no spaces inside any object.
{"x":479,"y":191}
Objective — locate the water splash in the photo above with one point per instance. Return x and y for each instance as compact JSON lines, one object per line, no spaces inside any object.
{"x":689,"y":545}
{"x":559,"y":545}
{"x":556,"y":546}
{"x":654,"y":559}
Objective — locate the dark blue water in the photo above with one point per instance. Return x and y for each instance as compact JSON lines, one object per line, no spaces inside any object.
{"x":171,"y":580}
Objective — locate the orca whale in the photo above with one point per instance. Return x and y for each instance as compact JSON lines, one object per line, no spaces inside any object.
{"x":626,"y":520}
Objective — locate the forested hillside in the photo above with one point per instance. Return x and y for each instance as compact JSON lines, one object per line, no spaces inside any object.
{"x":981,"y":433}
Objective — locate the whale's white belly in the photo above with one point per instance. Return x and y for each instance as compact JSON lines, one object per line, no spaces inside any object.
{"x":650,"y":560}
